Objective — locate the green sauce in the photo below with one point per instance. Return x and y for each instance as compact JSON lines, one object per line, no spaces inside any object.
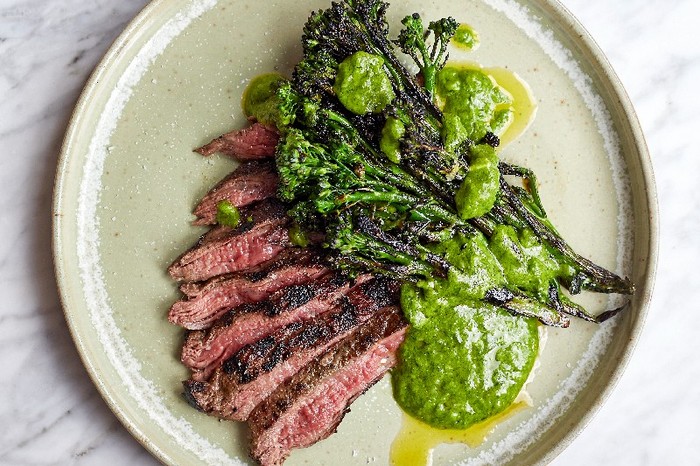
{"x":472,"y":105}
{"x":476,"y":270}
{"x":465,"y":366}
{"x":260,"y":98}
{"x":362,"y":84}
{"x":227,"y":214}
{"x":465,"y":38}
{"x":479,"y":190}
{"x":392,"y":132}
{"x":526,"y":262}
{"x":297,"y":236}
{"x":463,"y":360}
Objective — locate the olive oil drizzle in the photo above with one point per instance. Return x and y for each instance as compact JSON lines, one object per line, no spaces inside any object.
{"x":523,"y":103}
{"x":415,"y":442}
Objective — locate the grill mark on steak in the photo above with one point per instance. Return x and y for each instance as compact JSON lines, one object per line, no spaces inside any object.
{"x":261,"y":237}
{"x":209,"y":301}
{"x":260,"y":357}
{"x":249,"y":183}
{"x":310,"y":405}
{"x":293,"y":297}
{"x":309,"y":347}
{"x":265,"y":354}
{"x":205,"y":350}
{"x":224,"y":395}
{"x":255,"y":142}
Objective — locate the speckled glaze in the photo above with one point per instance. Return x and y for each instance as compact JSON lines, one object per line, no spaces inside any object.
{"x":128,"y":180}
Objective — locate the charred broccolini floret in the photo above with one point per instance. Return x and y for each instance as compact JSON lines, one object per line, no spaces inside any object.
{"x":412,"y":42}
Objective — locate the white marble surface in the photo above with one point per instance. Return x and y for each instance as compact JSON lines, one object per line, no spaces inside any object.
{"x":50,"y":413}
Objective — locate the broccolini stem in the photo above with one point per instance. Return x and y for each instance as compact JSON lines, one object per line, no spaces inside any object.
{"x":394,"y":173}
{"x":409,"y":84}
{"x":600,"y":279}
{"x":519,"y":304}
{"x":365,"y":225}
{"x":529,"y":176}
{"x":567,"y":306}
{"x":374,"y":197}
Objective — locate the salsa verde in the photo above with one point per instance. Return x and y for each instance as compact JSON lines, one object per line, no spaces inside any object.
{"x":260,"y":98}
{"x":465,"y":38}
{"x":362,"y":85}
{"x":472,"y":105}
{"x":463,"y":360}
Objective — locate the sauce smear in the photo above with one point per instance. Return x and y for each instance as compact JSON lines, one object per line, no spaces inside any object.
{"x":416,"y":440}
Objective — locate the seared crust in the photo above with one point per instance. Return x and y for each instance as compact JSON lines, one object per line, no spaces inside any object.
{"x":205,"y":303}
{"x":262,"y":235}
{"x":257,"y":369}
{"x":359,"y":304}
{"x":206,"y":350}
{"x":310,"y":405}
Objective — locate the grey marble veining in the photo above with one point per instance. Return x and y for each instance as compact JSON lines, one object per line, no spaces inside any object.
{"x":651,"y":418}
{"x":50,"y":413}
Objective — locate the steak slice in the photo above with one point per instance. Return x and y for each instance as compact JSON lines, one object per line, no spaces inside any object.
{"x":352,"y":309}
{"x":250,"y":182}
{"x":207,"y":302}
{"x":257,"y":369}
{"x":309,"y":406}
{"x":205,"y":350}
{"x":257,"y":240}
{"x":255,"y":142}
{"x":286,"y":258}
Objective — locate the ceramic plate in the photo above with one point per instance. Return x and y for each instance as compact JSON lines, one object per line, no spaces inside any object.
{"x":128,"y":180}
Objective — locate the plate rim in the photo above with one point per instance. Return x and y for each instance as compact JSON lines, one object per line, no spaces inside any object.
{"x":121,"y":42}
{"x":586,"y":39}
{"x":580,"y":36}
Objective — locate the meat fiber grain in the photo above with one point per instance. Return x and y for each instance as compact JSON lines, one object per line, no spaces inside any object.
{"x":255,"y":142}
{"x":310,"y":405}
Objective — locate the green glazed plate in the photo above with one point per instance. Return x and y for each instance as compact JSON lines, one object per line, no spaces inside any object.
{"x":128,"y":180}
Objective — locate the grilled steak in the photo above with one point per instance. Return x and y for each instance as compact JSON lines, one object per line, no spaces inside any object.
{"x":292,"y":344}
{"x":257,"y":369}
{"x":250,"y":182}
{"x":254,"y":142}
{"x":309,"y":406}
{"x":256,"y":240}
{"x":355,"y":307}
{"x":205,"y":350}
{"x":207,"y":302}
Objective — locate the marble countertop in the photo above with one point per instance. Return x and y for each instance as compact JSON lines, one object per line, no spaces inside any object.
{"x":50,"y":413}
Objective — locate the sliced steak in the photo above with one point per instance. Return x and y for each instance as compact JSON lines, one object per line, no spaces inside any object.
{"x":257,"y":369}
{"x":352,"y":309}
{"x":205,"y":350}
{"x":209,"y":301}
{"x":249,"y":183}
{"x":309,"y":406}
{"x":259,"y":238}
{"x":286,"y":257}
{"x":255,"y":142}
